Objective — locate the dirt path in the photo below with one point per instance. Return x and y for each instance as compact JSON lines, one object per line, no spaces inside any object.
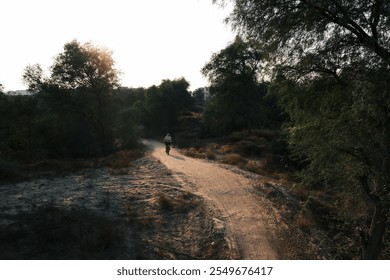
{"x":230,"y":193}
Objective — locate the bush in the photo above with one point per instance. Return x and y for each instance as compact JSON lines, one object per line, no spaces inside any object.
{"x":233,"y":159}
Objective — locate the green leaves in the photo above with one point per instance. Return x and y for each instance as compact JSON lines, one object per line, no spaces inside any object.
{"x":237,"y":98}
{"x":84,"y":66}
{"x":336,"y":33}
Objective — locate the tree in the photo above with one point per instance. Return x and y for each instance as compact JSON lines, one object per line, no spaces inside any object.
{"x":160,"y":110}
{"x":78,"y":97}
{"x":321,"y":35}
{"x":237,"y":97}
{"x":199,"y":96}
{"x":90,"y":69}
{"x":331,"y":60}
{"x":342,"y":133}
{"x":33,"y":77}
{"x":84,"y":66}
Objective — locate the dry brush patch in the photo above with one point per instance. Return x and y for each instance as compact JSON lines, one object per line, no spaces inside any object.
{"x":310,"y":224}
{"x":142,"y":214}
{"x":52,"y":232}
{"x":16,"y":172}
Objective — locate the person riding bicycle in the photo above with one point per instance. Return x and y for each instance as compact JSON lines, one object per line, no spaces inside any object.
{"x":168,"y":141}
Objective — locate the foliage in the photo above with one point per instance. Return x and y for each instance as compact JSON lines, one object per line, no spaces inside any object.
{"x":330,"y":63}
{"x":237,"y":99}
{"x":318,"y":36}
{"x":75,"y":112}
{"x":199,"y":96}
{"x":162,"y":105}
{"x":84,"y":66}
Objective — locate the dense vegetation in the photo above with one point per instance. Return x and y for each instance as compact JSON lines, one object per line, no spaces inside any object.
{"x":329,"y":66}
{"x":319,"y":67}
{"x":80,"y":110}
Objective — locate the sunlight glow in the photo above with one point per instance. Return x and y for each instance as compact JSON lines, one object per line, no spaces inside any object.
{"x":151,"y":40}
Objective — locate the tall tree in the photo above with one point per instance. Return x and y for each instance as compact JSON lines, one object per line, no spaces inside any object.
{"x":83,"y":76}
{"x":330,"y":51}
{"x":236,"y":94}
{"x":162,"y":106}
{"x":320,"y":35}
{"x":33,"y":77}
{"x":84,"y":66}
{"x":91,"y":69}
{"x":342,"y":133}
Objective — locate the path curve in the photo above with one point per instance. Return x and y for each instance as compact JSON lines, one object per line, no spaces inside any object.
{"x":230,"y":193}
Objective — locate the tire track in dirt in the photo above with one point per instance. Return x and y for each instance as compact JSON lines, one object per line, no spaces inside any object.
{"x":229,"y":193}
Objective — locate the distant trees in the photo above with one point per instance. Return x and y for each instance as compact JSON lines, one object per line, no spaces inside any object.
{"x":75,"y":111}
{"x":79,"y":109}
{"x":330,"y":62}
{"x":199,"y":95}
{"x":237,"y":98}
{"x":162,"y":104}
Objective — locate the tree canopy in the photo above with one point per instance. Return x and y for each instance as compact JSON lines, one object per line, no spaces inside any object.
{"x":77,"y":105}
{"x":85,"y":66}
{"x":162,"y":105}
{"x":237,"y":97}
{"x":330,"y":65}
{"x":317,"y":36}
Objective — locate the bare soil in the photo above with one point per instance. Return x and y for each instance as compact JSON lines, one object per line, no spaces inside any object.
{"x":138,"y":212}
{"x":230,"y":194}
{"x":158,"y":207}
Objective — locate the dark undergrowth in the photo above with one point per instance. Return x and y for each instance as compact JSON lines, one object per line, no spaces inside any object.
{"x":16,"y":171}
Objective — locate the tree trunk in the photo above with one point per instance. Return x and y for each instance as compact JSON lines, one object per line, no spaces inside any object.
{"x":373,"y":243}
{"x":100,"y":125}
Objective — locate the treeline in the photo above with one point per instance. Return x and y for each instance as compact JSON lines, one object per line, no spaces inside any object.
{"x":80,"y":110}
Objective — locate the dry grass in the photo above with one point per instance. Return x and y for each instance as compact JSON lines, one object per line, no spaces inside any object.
{"x":165,"y":204}
{"x":121,"y":159}
{"x":303,"y":222}
{"x":117,"y":162}
{"x":255,"y":151}
{"x":233,"y":159}
{"x":57,"y":233}
{"x":181,"y":203}
{"x":194,"y":152}
{"x":256,"y":166}
{"x":210,"y":153}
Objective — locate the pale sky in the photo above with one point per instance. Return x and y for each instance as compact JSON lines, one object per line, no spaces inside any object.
{"x":151,"y":40}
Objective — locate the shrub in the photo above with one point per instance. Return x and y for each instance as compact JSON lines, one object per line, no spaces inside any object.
{"x":210,"y":153}
{"x":233,"y":159}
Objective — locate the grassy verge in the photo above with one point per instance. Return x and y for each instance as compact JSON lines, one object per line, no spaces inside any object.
{"x":16,"y":171}
{"x":261,"y":151}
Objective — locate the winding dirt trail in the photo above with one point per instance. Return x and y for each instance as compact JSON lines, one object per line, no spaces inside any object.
{"x":230,"y":193}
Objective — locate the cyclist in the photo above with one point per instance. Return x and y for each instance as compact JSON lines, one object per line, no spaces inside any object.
{"x":168,"y":141}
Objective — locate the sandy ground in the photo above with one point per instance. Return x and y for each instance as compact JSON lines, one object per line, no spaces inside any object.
{"x":160,"y":207}
{"x":231,"y":194}
{"x":139,"y":212}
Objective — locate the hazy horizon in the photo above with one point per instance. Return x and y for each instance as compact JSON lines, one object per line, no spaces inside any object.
{"x":151,"y":40}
